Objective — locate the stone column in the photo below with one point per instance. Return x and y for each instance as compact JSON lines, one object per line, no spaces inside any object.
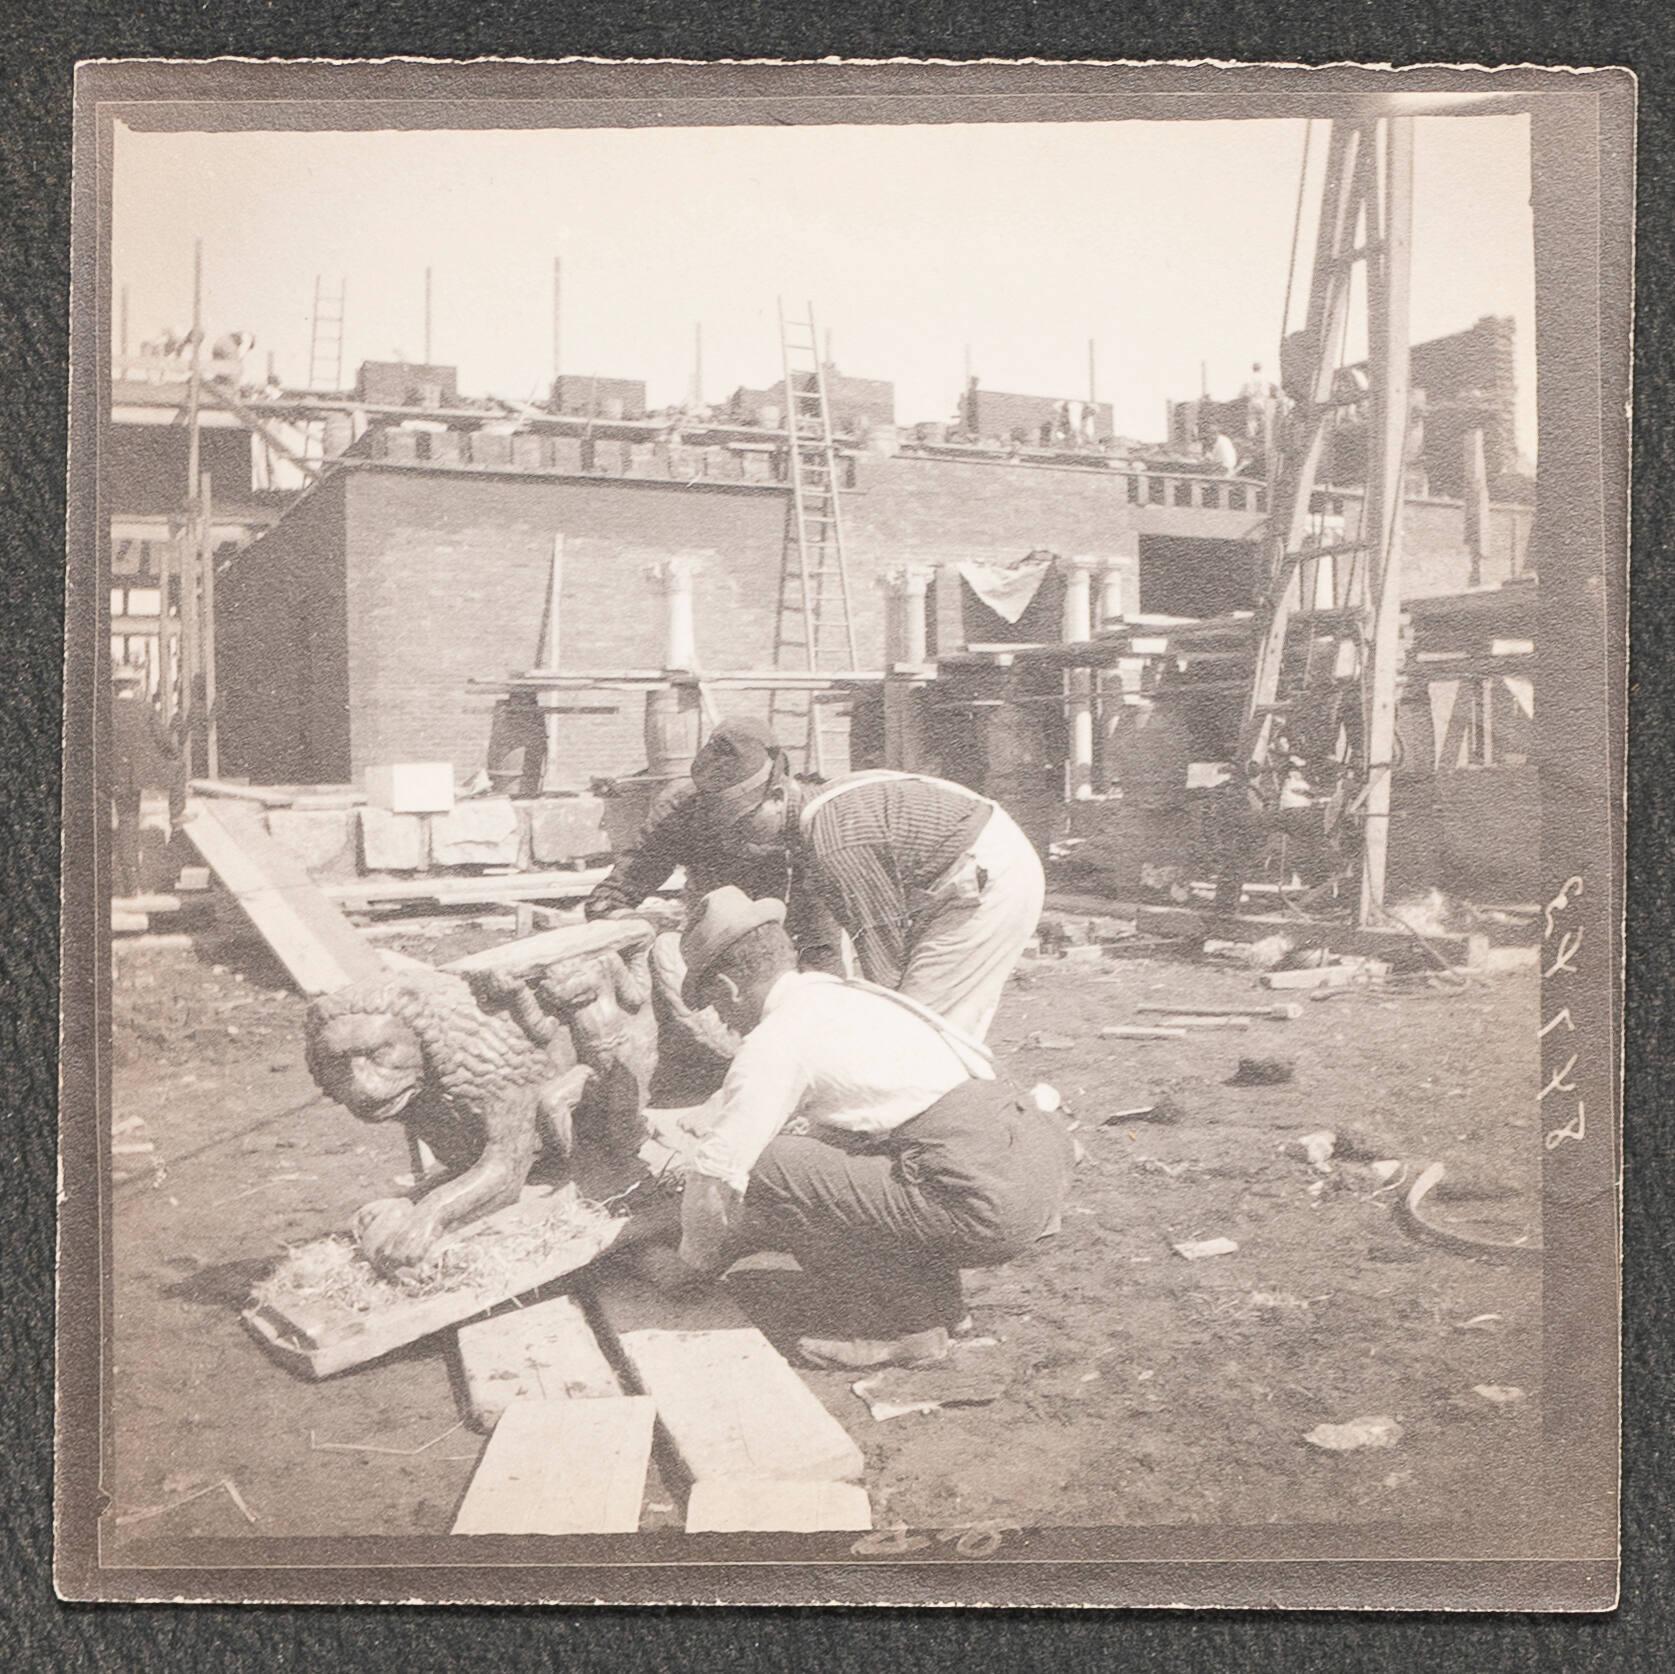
{"x":673,"y":713}
{"x":1078,"y":627}
{"x":904,"y":588}
{"x":680,"y":640}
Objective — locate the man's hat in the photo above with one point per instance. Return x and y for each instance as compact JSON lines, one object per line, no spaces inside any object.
{"x":733,"y":771}
{"x":719,"y":920}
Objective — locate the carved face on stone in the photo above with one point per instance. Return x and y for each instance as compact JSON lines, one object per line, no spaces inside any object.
{"x":371,"y":1064}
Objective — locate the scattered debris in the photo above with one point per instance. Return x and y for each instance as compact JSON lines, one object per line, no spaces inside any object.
{"x":1188,"y":1020}
{"x":1262,"y":1072}
{"x":1171,"y":1170}
{"x":1164,"y":1110}
{"x":1318,"y":1147}
{"x":1415,"y":1223}
{"x":1046,"y":1097}
{"x":1341,"y":974}
{"x":378,"y":1447}
{"x":1048,"y":1043}
{"x":1501,"y":1394}
{"x":1200,"y":1249}
{"x":1135,"y":1031}
{"x":225,"y":1482}
{"x":1264,"y":955}
{"x":1479,"y":1322}
{"x":968,"y":1378}
{"x":1277,"y":1013}
{"x":1359,"y":1432}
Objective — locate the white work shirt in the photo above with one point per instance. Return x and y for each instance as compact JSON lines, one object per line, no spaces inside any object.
{"x":837,"y":1054}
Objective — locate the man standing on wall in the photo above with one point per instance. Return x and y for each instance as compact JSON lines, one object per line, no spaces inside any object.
{"x":917,"y":1162}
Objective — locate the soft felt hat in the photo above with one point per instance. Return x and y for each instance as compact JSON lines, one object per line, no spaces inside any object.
{"x":736,"y":750}
{"x":719,"y":920}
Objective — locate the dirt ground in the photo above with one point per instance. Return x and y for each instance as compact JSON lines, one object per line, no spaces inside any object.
{"x":1119,"y":1383}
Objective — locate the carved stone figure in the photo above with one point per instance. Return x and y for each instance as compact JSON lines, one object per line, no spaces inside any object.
{"x":487,"y":1068}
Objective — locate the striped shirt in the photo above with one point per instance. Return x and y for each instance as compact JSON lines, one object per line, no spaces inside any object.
{"x":875,"y":847}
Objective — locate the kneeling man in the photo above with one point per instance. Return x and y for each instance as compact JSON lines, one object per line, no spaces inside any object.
{"x":916,"y":1162}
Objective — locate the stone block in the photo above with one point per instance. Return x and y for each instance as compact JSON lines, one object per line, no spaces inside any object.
{"x":563,"y":830}
{"x":391,"y":842}
{"x":323,"y":839}
{"x":480,"y":832}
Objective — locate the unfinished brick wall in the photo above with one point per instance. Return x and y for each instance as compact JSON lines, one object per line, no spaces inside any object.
{"x":448,"y":575}
{"x":281,"y":653}
{"x":349,"y":634}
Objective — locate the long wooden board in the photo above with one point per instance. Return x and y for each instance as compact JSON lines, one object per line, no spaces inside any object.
{"x":732,"y":1505}
{"x":544,"y":1353}
{"x":728,"y":1403}
{"x":317,"y":945}
{"x":562,"y":1467}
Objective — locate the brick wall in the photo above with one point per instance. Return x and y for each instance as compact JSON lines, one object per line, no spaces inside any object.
{"x":281,"y":659}
{"x":350,"y":632}
{"x":448,"y":575}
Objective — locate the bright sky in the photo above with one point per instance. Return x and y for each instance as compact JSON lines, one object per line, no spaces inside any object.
{"x":1166,"y":243}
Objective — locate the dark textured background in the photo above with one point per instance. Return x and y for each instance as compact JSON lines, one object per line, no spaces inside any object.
{"x":40,"y":43}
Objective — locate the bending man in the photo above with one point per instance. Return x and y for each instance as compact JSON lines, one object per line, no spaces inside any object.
{"x":917,"y":1162}
{"x":936,"y":885}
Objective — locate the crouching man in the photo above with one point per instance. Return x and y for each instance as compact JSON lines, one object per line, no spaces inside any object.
{"x":916,"y":1162}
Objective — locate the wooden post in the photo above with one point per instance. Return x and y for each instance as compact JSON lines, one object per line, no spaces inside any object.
{"x":550,"y":649}
{"x":1474,"y":489}
{"x":1078,"y":626}
{"x":1387,"y":302}
{"x":206,"y":560}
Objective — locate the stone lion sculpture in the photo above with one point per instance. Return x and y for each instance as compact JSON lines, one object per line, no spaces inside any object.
{"x":487,"y":1067}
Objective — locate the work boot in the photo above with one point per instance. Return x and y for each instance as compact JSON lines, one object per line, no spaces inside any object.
{"x":865,"y":1354}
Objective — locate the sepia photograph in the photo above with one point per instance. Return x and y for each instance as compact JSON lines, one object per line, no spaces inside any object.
{"x":845,"y":833}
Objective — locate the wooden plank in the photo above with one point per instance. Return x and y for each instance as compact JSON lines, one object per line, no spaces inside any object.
{"x":319,"y":1340}
{"x":728,"y":1404}
{"x":730,"y":1505}
{"x":544,"y":1353}
{"x":263,"y":796}
{"x":562,"y":1467}
{"x":498,"y":886}
{"x":317,"y":945}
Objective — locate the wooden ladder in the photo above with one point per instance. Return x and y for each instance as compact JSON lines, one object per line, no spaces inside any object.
{"x":814,"y":628}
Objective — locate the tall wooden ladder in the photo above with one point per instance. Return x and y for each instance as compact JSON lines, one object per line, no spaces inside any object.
{"x":815,"y":629}
{"x":1328,"y":622}
{"x":325,"y":357}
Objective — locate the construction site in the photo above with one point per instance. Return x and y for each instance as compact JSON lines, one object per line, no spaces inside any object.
{"x":417,"y":672}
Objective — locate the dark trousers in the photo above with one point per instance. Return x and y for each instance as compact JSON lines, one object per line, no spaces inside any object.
{"x":970,"y":1183}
